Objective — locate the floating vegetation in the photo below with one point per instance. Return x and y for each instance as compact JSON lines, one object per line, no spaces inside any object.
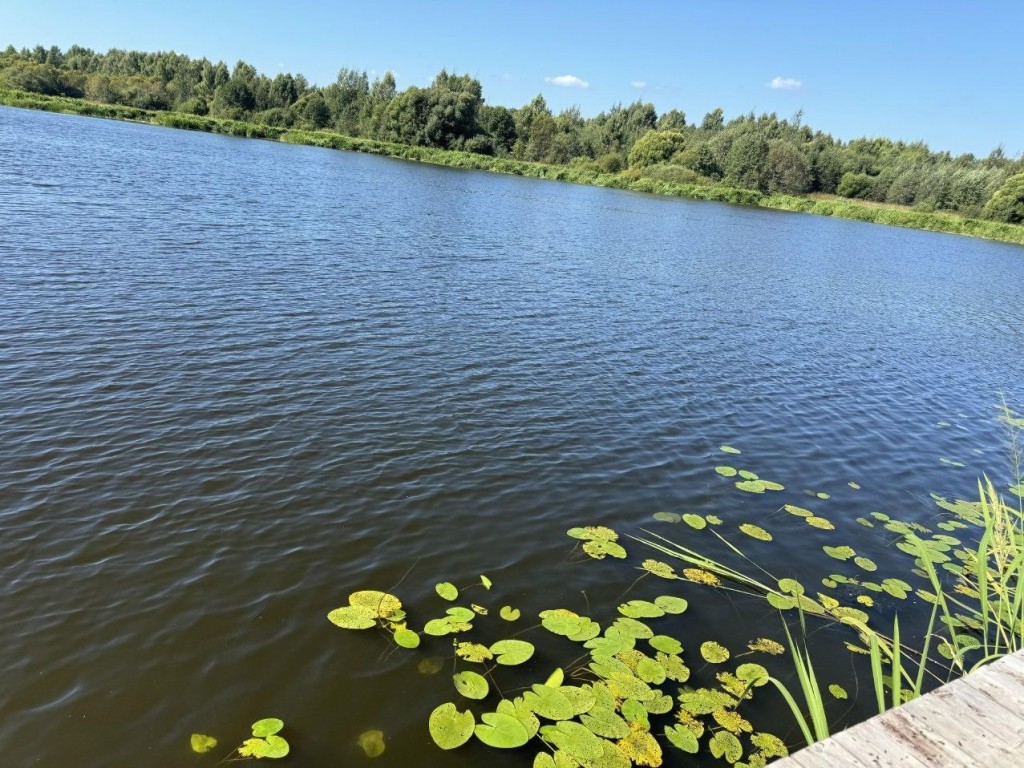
{"x":265,"y":741}
{"x":372,"y":743}
{"x":201,"y":743}
{"x":853,"y":485}
{"x":951,"y":462}
{"x":628,"y":678}
{"x":694,"y":521}
{"x":755,"y":531}
{"x":820,"y":522}
{"x":729,"y":449}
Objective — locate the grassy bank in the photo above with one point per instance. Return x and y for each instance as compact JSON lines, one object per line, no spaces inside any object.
{"x":838,"y":207}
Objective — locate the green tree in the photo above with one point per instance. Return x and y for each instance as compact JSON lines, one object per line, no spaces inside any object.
{"x":787,"y":169}
{"x":745,"y":163}
{"x":656,"y":147}
{"x":713,"y":120}
{"x":1007,"y":204}
{"x":854,"y":185}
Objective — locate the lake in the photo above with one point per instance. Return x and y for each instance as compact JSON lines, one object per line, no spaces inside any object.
{"x":241,"y":379}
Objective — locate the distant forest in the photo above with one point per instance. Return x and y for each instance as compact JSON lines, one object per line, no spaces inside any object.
{"x":759,"y":152}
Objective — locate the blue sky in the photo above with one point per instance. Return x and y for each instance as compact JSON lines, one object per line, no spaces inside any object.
{"x":949,"y":73}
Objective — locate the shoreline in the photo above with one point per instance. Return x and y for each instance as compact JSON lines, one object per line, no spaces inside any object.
{"x":845,"y":208}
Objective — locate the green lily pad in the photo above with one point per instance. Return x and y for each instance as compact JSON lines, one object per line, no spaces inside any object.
{"x":838,"y":691}
{"x":450,"y":728}
{"x":752,"y":486}
{"x":753,"y":674}
{"x":508,"y":613}
{"x":201,"y":743}
{"x":406,"y":638}
{"x":798,"y":511}
{"x":471,"y":685}
{"x":574,"y":739}
{"x":714,"y":653}
{"x":605,"y":722}
{"x":865,"y":563}
{"x":593,"y":533}
{"x":640,"y":609}
{"x":549,"y":703}
{"x":487,"y":583}
{"x":667,"y":517}
{"x":353,"y":617}
{"x":372,"y":743}
{"x":729,"y":449}
{"x":694,"y":521}
{"x":658,"y":568}
{"x":267,"y":727}
{"x":756,"y":532}
{"x":666,"y":644}
{"x":725,"y":744}
{"x":383,"y":604}
{"x":447,"y":590}
{"x":682,"y":738}
{"x":843,"y":552}
{"x":820,"y":522}
{"x":671,"y":604}
{"x":555,"y":678}
{"x":599,"y":548}
{"x":511,"y":652}
{"x":501,"y":731}
{"x":473,"y":652}
{"x":726,"y":471}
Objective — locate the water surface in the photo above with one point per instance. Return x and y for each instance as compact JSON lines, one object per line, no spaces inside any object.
{"x":240,"y":379}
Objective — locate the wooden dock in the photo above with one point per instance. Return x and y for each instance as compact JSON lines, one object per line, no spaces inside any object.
{"x":974,"y":722}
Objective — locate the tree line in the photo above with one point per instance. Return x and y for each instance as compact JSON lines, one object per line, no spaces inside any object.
{"x":759,"y":152}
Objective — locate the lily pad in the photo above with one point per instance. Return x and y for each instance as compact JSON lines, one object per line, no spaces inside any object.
{"x":268,"y":726}
{"x":202,"y":743}
{"x":473,"y":652}
{"x":372,"y":743}
{"x":447,"y":590}
{"x":820,"y":522}
{"x":671,"y":604}
{"x":667,"y":517}
{"x":714,"y":653}
{"x":843,"y":552}
{"x":406,"y":638}
{"x":501,"y":731}
{"x":450,"y":728}
{"x":726,"y":471}
{"x":353,"y":617}
{"x":471,"y":685}
{"x":682,"y":738}
{"x":838,"y":691}
{"x":666,"y":644}
{"x":756,"y":532}
{"x":694,"y":521}
{"x":508,"y":613}
{"x":640,"y":609}
{"x":729,"y":449}
{"x":511,"y":652}
{"x":658,"y":568}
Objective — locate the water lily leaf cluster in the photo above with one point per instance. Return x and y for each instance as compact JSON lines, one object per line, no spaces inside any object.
{"x":266,"y":741}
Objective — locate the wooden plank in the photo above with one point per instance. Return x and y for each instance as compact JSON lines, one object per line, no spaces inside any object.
{"x":825,"y":754}
{"x":937,"y":722}
{"x":874,"y":747}
{"x":974,"y":722}
{"x":980,"y":711}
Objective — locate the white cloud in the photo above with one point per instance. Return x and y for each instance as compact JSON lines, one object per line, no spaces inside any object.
{"x":567,"y":81}
{"x":785,"y":84}
{"x":640,"y":85}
